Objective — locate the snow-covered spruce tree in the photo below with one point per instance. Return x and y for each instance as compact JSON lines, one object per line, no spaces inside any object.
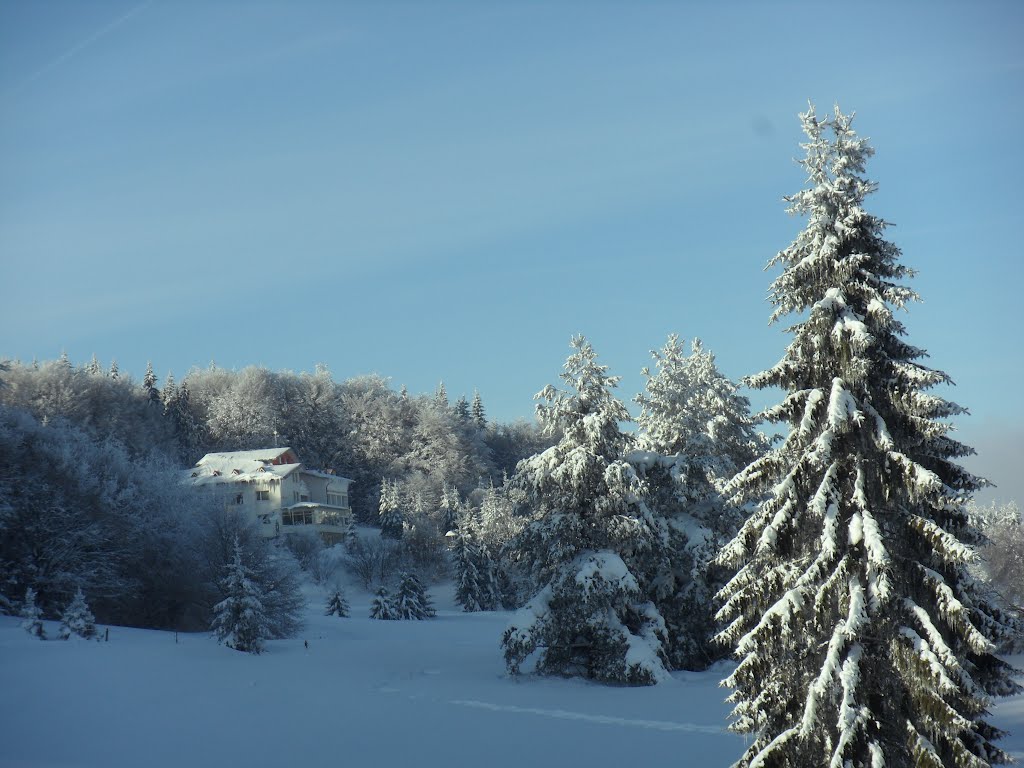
{"x":861,"y":637}
{"x":337,"y":605}
{"x":77,"y":619}
{"x":477,"y":411}
{"x":149,"y":385}
{"x":239,"y":620}
{"x":475,"y":573}
{"x":382,"y":606}
{"x":412,"y":601}
{"x":32,"y":615}
{"x":390,"y":512}
{"x":694,"y":432}
{"x":595,"y":549}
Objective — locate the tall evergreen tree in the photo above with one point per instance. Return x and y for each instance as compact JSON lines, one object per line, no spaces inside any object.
{"x":476,"y":586}
{"x":441,"y":397}
{"x":462,"y":408}
{"x":93,"y":368}
{"x":861,"y":637}
{"x":391,"y":518}
{"x":114,"y":372}
{"x":240,"y":620}
{"x":149,"y":385}
{"x":595,"y":549}
{"x":476,"y":410}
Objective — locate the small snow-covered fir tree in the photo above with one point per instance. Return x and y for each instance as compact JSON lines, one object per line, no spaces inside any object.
{"x":390,"y":510}
{"x":461,"y":409}
{"x":240,"y":621}
{"x":337,"y":605}
{"x":93,"y":368}
{"x":114,"y":373}
{"x":382,"y":606}
{"x":411,"y":601}
{"x":77,"y":619}
{"x":32,"y":615}
{"x":595,"y":549}
{"x":862,"y":639}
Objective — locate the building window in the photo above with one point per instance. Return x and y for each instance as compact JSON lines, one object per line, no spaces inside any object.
{"x":295,"y":496}
{"x":297,"y":517}
{"x":262,"y":495}
{"x":239,"y":499}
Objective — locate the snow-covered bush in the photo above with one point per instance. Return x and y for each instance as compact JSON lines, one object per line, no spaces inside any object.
{"x":373,"y":560}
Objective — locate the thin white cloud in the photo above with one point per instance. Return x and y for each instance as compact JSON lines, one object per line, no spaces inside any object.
{"x":79,"y":47}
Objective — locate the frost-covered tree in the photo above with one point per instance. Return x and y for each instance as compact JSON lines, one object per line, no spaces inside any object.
{"x":461,"y":409}
{"x":93,"y":368}
{"x":862,"y":640}
{"x":149,"y":385}
{"x":694,"y":432}
{"x":594,"y":548}
{"x":240,"y":620}
{"x":32,"y":615}
{"x":441,"y":397}
{"x":412,"y":601}
{"x":390,"y":510}
{"x":337,"y":605}
{"x":476,"y":583}
{"x":1002,"y":560}
{"x":77,"y":619}
{"x":114,"y":373}
{"x":383,"y":606}
{"x":692,"y":412}
{"x":476,"y":410}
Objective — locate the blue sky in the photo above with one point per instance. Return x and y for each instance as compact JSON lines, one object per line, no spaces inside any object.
{"x":450,"y":190}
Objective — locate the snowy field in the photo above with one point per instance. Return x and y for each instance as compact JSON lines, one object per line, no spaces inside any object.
{"x":365,"y":693}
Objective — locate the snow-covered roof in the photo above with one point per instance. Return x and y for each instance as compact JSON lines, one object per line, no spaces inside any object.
{"x":241,"y":467}
{"x":250,"y":466}
{"x":265,"y":455}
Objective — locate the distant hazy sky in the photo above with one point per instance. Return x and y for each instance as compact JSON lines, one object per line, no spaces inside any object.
{"x":450,"y":190}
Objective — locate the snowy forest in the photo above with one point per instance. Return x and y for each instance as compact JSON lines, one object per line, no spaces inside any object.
{"x":829,"y":545}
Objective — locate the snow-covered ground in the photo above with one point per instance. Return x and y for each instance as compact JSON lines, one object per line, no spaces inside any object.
{"x":365,"y":693}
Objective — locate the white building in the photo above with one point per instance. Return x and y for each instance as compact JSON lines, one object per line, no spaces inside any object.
{"x":277,"y":492}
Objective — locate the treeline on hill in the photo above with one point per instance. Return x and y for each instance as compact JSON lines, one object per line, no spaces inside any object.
{"x":90,"y":483}
{"x":426,"y":470}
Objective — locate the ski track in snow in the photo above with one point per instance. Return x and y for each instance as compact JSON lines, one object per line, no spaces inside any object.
{"x":561,"y":714}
